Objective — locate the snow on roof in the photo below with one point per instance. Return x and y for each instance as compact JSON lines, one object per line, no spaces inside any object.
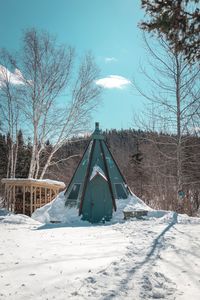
{"x":61,"y":183}
{"x":98,"y":171}
{"x":32,"y":180}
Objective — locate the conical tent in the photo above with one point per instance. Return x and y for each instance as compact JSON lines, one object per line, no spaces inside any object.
{"x":97,"y":182}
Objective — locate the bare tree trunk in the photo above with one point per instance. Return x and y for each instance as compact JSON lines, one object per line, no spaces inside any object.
{"x":32,"y":168}
{"x":15,"y":157}
{"x":174,"y":93}
{"x":12,"y":160}
{"x":178,"y":118}
{"x":37,"y":163}
{"x":8,"y":165}
{"x":47,"y":164}
{"x":32,"y":163}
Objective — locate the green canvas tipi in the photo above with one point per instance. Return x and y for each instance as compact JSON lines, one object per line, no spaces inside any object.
{"x":97,"y":182}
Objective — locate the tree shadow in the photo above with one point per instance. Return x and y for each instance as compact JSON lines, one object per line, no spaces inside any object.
{"x":151,"y":256}
{"x":75,"y":225}
{"x":62,"y":225}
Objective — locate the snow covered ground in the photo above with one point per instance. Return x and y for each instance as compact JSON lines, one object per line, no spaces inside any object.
{"x":156,"y":258}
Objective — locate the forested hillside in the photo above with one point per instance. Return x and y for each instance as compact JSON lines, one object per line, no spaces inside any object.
{"x":147,"y":160}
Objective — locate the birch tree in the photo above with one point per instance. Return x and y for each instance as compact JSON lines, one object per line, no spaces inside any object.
{"x":10,"y":109}
{"x":57,"y":95}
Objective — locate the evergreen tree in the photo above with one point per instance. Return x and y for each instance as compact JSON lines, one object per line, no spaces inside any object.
{"x":3,"y":156}
{"x":24,"y":156}
{"x":178,"y":21}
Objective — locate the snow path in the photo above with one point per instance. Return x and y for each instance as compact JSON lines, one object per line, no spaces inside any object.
{"x":181,"y":260}
{"x":134,"y":260}
{"x":136,"y":275}
{"x":162,"y":262}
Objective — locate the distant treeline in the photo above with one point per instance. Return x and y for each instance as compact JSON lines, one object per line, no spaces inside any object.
{"x":148,"y":161}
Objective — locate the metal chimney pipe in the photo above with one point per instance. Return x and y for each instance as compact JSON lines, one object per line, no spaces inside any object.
{"x":96,"y":125}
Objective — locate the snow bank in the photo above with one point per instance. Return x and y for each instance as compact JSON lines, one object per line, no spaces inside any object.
{"x":11,"y":218}
{"x":132,"y":203}
{"x":185,"y":219}
{"x":168,"y":217}
{"x":56,"y":211}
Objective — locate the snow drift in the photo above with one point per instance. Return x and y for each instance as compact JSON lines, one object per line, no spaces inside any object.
{"x":8,"y":217}
{"x":56,"y":211}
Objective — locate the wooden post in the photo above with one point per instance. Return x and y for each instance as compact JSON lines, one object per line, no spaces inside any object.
{"x":55,"y":193}
{"x":45,"y":195}
{"x":6,"y":195}
{"x":40,"y":197}
{"x":14,"y":200}
{"x":35,"y":198}
{"x":50,"y":195}
{"x":10,"y":197}
{"x":7,"y":199}
{"x":31,"y":200}
{"x":23,"y":199}
{"x":8,"y":205}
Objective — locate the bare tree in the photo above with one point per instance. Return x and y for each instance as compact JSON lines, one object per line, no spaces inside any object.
{"x":10,"y":109}
{"x":57,"y":95}
{"x":78,"y":111}
{"x":174,"y":105}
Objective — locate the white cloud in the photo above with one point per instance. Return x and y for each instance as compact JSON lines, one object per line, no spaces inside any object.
{"x":113,"y":82}
{"x":110,"y":59}
{"x":14,"y":78}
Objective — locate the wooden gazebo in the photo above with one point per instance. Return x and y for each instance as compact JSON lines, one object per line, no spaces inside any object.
{"x":26,"y":195}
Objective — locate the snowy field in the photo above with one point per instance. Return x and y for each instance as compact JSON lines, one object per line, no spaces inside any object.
{"x":157,"y":258}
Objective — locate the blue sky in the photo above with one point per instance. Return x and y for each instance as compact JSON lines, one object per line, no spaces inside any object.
{"x":106,"y":27}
